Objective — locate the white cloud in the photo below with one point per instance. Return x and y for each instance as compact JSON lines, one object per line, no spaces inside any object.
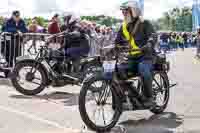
{"x":153,"y":8}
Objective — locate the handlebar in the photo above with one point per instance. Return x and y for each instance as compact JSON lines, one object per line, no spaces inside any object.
{"x":56,"y":35}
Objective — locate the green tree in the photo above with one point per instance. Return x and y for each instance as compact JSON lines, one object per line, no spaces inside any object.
{"x":102,"y":19}
{"x":177,"y":19}
{"x":42,"y":21}
{"x":1,"y":20}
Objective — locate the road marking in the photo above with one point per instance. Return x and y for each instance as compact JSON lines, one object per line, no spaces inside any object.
{"x":36,"y":118}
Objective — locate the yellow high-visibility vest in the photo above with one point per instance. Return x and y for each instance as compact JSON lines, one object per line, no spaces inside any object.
{"x":130,"y":39}
{"x":179,"y":39}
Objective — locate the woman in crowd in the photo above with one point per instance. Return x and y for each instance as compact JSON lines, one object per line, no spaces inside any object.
{"x":179,"y":41}
{"x":33,"y":28}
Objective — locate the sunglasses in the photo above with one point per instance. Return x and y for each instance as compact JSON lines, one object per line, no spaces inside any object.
{"x":124,"y":10}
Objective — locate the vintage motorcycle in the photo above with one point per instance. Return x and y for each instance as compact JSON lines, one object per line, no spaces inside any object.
{"x":58,"y":68}
{"x":116,"y":91}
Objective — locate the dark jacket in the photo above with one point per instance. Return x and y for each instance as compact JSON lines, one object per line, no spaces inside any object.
{"x":185,"y":37}
{"x":76,"y":44}
{"x":144,"y":36}
{"x":12,"y":27}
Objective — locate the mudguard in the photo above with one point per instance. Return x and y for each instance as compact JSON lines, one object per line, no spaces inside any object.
{"x":25,"y":57}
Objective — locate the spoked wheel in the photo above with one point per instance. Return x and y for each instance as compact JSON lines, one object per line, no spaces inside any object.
{"x":95,"y":105}
{"x":29,"y":79}
{"x":161,"y":92}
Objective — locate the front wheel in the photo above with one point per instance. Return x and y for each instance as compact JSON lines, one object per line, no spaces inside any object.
{"x":161,"y":92}
{"x":97,"y":96}
{"x":29,"y":78}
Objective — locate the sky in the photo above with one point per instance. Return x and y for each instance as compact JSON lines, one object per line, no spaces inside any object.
{"x":153,"y":9}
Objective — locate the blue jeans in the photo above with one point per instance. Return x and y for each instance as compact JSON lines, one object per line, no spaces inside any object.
{"x":144,"y":68}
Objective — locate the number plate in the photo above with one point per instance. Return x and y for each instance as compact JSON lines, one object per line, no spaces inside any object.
{"x":109,"y":66}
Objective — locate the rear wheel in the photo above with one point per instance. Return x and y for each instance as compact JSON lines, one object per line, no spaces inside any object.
{"x":29,"y":79}
{"x":97,"y":96}
{"x":161,"y":92}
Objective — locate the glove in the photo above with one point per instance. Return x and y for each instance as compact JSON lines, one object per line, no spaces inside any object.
{"x":147,"y":48}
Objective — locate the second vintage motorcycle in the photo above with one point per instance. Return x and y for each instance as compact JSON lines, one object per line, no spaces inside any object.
{"x":57,"y":68}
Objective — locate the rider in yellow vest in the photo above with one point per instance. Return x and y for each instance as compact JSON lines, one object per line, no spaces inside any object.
{"x":138,"y":34}
{"x":180,"y":41}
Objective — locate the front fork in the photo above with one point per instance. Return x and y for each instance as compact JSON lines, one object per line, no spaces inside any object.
{"x":117,"y":88}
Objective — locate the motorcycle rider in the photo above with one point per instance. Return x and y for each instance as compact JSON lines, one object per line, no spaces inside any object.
{"x":71,"y":22}
{"x":137,"y":33}
{"x":79,"y":46}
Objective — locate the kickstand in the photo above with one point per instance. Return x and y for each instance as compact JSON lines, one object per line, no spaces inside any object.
{"x":84,"y":129}
{"x":118,"y":129}
{"x":172,"y":85}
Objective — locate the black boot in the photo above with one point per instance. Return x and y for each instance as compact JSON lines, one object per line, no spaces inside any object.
{"x":6,"y":73}
{"x":149,"y":103}
{"x":148,"y":93}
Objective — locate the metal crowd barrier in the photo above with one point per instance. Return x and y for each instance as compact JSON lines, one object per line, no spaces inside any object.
{"x":97,"y":42}
{"x":14,"y":45}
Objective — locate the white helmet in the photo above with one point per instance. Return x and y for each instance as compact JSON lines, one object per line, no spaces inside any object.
{"x":136,"y":4}
{"x":71,"y":17}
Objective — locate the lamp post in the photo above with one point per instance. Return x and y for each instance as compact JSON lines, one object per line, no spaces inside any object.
{"x":196,"y":14}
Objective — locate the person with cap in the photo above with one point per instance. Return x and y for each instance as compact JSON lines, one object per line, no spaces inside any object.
{"x":16,"y":26}
{"x":53,"y":27}
{"x":137,"y":33}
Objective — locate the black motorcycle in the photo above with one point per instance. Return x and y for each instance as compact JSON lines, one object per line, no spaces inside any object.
{"x":56,"y":68}
{"x":105,"y":96}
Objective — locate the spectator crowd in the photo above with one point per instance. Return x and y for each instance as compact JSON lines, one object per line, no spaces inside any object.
{"x":174,"y":40}
{"x":17,"y":26}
